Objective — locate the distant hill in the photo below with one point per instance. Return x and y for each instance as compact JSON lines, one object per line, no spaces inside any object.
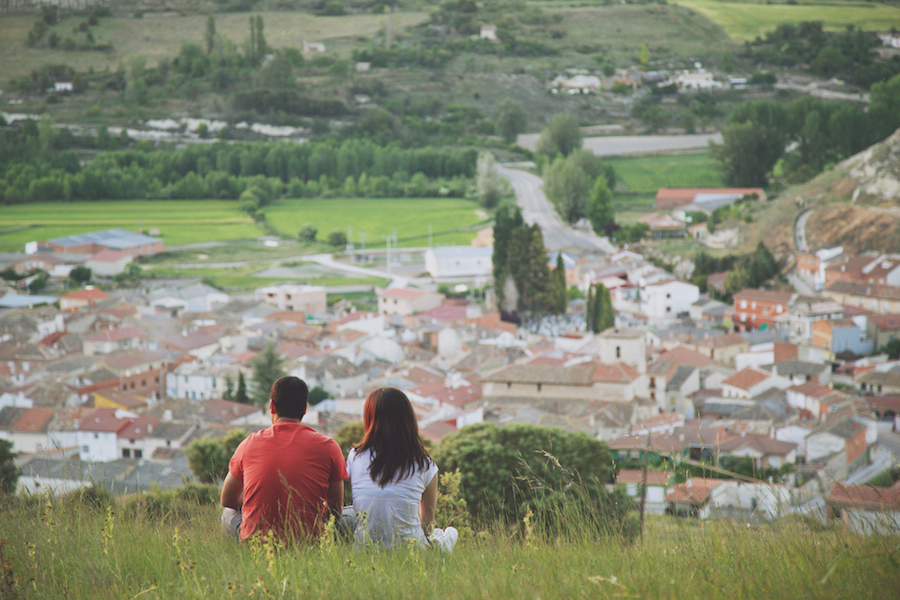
{"x":856,"y":205}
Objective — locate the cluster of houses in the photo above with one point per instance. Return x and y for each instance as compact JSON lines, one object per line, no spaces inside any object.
{"x":584,"y":81}
{"x":113,"y":386}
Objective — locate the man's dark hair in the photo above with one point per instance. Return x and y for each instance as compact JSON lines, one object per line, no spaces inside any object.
{"x":290,"y":395}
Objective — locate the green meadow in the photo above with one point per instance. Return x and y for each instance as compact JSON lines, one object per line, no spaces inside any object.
{"x":246,"y":277}
{"x":646,"y":174}
{"x":746,"y":20}
{"x":453,"y":221}
{"x":179,"y":221}
{"x":149,"y":547}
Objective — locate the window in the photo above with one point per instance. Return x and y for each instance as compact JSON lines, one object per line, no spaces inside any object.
{"x":618,"y":352}
{"x":668,"y":296}
{"x":538,"y":387}
{"x":139,"y":454}
{"x":508,"y":384}
{"x":779,"y":308}
{"x":753,"y":304}
{"x":126,"y":453}
{"x":214,"y":382}
{"x":743,"y":304}
{"x":85,"y":449}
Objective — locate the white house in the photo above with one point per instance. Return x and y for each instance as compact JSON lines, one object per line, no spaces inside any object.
{"x":108,"y":263}
{"x":459,"y":261}
{"x":751,"y":382}
{"x":97,"y":435}
{"x":622,"y":344}
{"x":196,"y":297}
{"x":309,"y":299}
{"x":668,"y":298}
{"x":407,"y":301}
{"x":112,"y":340}
{"x":200,"y":381}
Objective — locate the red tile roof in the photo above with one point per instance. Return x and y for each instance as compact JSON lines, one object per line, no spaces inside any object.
{"x":866,"y":496}
{"x":117,"y":335}
{"x":110,"y":255}
{"x":103,"y":420}
{"x":448,"y":313}
{"x":92,"y":294}
{"x":225,"y":411}
{"x":617,"y":373}
{"x":404,"y":293}
{"x":138,"y":428}
{"x":190,"y":341}
{"x":885,"y":322}
{"x":746,"y":378}
{"x":131,"y":358}
{"x":694,"y":491}
{"x":812,"y":388}
{"x":34,"y":419}
{"x":637,"y":476}
{"x":764,"y":295}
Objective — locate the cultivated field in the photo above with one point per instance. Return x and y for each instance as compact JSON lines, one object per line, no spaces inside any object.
{"x":179,"y":221}
{"x":745,"y":20}
{"x":157,"y":36}
{"x":377,"y":217}
{"x":646,"y":174}
{"x":253,"y":276}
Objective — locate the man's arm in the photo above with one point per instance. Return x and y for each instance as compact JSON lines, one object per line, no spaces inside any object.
{"x":232,"y":492}
{"x":336,"y":498}
{"x":428,"y":503}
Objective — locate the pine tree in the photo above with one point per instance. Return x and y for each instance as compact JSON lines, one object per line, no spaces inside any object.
{"x":267,"y":368}
{"x":210,"y":33}
{"x":606,"y":315}
{"x":261,"y":47}
{"x":241,"y":394}
{"x":560,"y":273}
{"x":589,"y":310}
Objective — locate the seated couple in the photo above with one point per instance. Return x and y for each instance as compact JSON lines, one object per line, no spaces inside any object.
{"x":289,"y":478}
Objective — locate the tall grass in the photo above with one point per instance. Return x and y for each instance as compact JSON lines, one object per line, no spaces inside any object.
{"x":91,"y":546}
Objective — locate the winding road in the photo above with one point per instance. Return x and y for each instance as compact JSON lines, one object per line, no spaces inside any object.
{"x":537,"y":209}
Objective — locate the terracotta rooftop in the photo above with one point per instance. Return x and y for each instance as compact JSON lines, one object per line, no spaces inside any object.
{"x":224,"y":411}
{"x":812,"y":388}
{"x":885,"y":322}
{"x":866,"y":496}
{"x":402,"y":293}
{"x":131,"y":358}
{"x":637,"y":476}
{"x":138,"y":428}
{"x":694,"y":491}
{"x":103,"y":420}
{"x":722,"y":341}
{"x":448,"y":313}
{"x":86,"y":294}
{"x":116,"y":335}
{"x":746,"y":378}
{"x":129,"y":401}
{"x":764,"y":295}
{"x":34,"y":420}
{"x":868,"y":290}
{"x":189,"y":341}
{"x":761,"y":443}
{"x":684,"y":356}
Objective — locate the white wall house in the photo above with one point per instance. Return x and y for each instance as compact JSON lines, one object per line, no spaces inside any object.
{"x":196,"y":297}
{"x":309,"y":299}
{"x":668,"y":298}
{"x":459,"y":261}
{"x":198,"y":381}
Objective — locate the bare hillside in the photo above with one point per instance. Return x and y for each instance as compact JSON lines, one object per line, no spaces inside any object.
{"x":856,"y":205}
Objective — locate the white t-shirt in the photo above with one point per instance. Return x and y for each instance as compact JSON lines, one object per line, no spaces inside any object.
{"x":387,"y":516}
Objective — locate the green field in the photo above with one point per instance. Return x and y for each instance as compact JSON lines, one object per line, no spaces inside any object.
{"x":745,"y":21}
{"x":179,"y":221}
{"x":377,"y":217}
{"x":646,"y":174}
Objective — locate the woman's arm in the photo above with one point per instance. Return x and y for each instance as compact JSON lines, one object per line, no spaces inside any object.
{"x":429,"y":501}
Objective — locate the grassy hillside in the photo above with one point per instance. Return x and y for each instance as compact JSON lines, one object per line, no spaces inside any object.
{"x":152,"y":549}
{"x":746,"y":20}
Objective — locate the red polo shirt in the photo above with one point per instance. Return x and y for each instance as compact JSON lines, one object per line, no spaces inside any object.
{"x":286,"y":471}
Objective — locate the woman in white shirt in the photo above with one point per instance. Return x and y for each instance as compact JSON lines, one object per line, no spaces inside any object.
{"x":393,"y":479}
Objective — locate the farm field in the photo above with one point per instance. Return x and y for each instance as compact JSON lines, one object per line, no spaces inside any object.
{"x":376,"y":217}
{"x":157,"y":36}
{"x":179,"y":221}
{"x":646,"y":174}
{"x":744,"y":21}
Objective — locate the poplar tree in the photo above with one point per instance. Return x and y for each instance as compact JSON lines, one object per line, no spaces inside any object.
{"x":560,"y":273}
{"x":210,"y":34}
{"x":241,"y":394}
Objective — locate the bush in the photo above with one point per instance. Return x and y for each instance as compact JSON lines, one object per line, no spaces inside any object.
{"x":337,"y":238}
{"x":308,"y":233}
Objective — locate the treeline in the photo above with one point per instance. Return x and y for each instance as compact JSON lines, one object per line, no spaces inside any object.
{"x":822,"y":133}
{"x":850,"y":55}
{"x":32,"y":171}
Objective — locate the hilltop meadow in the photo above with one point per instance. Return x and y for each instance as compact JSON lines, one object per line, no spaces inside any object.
{"x":152,"y":548}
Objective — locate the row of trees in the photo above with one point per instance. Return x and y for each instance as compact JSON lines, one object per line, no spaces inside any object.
{"x":226,"y":171}
{"x":599,"y":314}
{"x":746,"y":271}
{"x":757,"y":134}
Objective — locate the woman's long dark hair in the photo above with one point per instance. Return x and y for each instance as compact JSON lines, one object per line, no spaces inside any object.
{"x":392,"y":435}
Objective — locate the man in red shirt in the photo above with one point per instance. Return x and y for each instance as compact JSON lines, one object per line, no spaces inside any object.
{"x":286,"y":478}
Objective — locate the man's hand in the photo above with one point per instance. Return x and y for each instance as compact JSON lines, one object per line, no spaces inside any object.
{"x":335,"y":498}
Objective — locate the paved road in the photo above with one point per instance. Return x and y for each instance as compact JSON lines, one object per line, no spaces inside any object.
{"x":632,"y":144}
{"x":537,"y":209}
{"x":800,"y":232}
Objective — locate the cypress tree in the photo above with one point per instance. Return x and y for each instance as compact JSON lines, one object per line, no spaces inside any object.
{"x":241,"y":394}
{"x":589,"y":310}
{"x":560,"y":273}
